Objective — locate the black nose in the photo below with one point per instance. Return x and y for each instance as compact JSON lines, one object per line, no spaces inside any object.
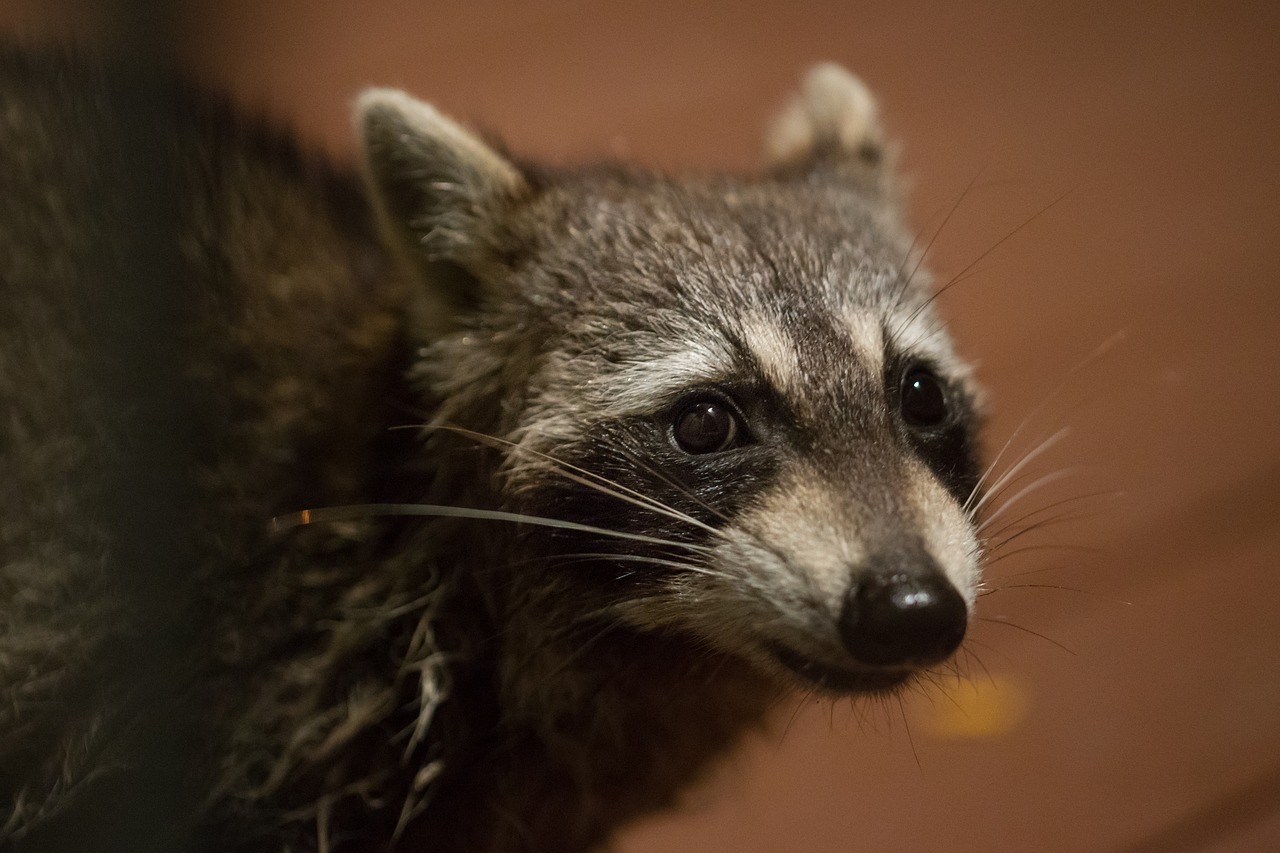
{"x":902,"y":618}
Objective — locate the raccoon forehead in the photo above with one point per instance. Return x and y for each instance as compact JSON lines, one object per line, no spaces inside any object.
{"x":724,"y":236}
{"x":649,"y":289}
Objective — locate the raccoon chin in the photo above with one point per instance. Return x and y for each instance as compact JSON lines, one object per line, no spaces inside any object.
{"x":840,"y":680}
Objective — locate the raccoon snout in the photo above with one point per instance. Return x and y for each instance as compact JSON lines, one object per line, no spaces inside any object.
{"x":894,"y":616}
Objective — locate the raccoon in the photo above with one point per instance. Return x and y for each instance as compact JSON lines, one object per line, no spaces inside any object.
{"x":464,"y":504}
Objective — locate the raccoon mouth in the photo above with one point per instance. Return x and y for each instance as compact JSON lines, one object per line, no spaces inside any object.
{"x":836,"y":679}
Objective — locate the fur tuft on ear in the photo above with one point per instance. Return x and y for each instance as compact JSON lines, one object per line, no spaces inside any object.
{"x":440,"y":194}
{"x":831,"y":124}
{"x":437,"y":188}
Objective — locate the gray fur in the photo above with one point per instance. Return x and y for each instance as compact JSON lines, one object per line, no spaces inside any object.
{"x":395,"y":676}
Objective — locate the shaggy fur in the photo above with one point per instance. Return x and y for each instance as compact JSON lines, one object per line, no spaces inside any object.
{"x":319,"y":540}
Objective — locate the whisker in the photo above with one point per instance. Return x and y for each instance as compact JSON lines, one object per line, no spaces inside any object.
{"x":567,"y":559}
{"x":1038,"y":525}
{"x":933,"y":297}
{"x":612,"y":609}
{"x":1037,"y":484}
{"x":636,"y":459}
{"x":1002,"y":621}
{"x":590,"y":479}
{"x":1089,"y":359}
{"x":906,"y":259}
{"x":1000,"y":481}
{"x":283,"y":523}
{"x":762,"y":543}
{"x":994,"y":590}
{"x":1043,"y":569}
{"x":1006,"y":238}
{"x":906,"y":724}
{"x":897,"y":302}
{"x":807,"y":694}
{"x":955,"y":279}
{"x":969,"y":642}
{"x":971,"y":654}
{"x":1027,"y":516}
{"x":959,"y":670}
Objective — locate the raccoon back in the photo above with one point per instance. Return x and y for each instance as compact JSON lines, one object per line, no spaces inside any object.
{"x":198,"y":331}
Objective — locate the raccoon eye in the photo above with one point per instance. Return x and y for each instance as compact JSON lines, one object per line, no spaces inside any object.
{"x":923,"y":401}
{"x":705,"y":426}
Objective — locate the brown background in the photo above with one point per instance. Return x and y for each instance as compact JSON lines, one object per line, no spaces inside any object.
{"x":1141,"y":714}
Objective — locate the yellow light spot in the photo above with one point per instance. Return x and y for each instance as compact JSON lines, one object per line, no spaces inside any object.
{"x":983,"y":707}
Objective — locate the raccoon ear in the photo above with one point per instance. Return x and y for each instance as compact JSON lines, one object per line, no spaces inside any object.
{"x":438,"y":190}
{"x":830,"y":127}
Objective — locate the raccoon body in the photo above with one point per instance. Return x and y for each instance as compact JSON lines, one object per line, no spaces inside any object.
{"x":508,"y":498}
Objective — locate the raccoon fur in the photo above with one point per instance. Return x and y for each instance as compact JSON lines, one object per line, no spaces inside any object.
{"x":475,"y":505}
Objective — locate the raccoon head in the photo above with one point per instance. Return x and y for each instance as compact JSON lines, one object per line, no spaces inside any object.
{"x":731,"y":395}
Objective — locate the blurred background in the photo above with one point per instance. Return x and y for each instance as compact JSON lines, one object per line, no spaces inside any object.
{"x":1103,"y":180}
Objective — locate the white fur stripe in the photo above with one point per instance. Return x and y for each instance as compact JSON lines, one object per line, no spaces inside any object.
{"x":775,"y":351}
{"x":868,"y":338}
{"x":639,"y":386}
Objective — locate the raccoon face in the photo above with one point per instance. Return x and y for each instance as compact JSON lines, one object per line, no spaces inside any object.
{"x":731,"y":388}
